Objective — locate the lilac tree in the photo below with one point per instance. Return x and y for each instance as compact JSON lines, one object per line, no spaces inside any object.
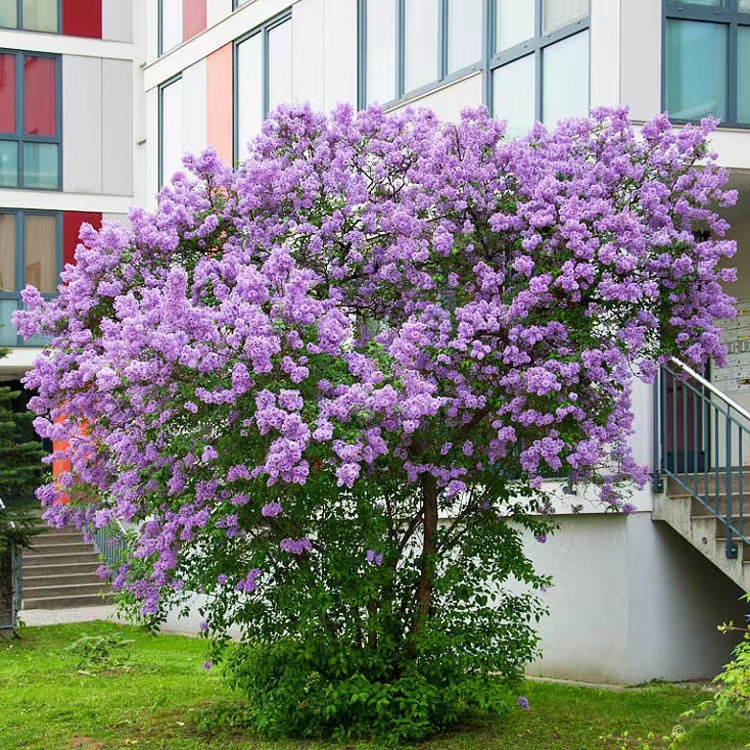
{"x":327,"y":386}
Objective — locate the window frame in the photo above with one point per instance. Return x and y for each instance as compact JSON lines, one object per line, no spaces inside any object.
{"x":237,"y":4}
{"x":532,"y":46}
{"x":160,"y":146}
{"x":160,"y":51}
{"x":444,"y":77}
{"x":265,"y":28}
{"x":19,"y":17}
{"x":20,"y":215}
{"x":732,"y":18}
{"x":19,"y":137}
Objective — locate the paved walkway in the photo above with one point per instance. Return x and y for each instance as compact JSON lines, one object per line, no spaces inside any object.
{"x":74,"y":614}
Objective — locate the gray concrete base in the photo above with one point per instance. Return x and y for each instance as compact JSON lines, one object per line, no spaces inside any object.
{"x":36,"y":617}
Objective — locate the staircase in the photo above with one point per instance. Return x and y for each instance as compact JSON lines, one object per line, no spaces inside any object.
{"x":701,"y":476}
{"x":59,"y":571}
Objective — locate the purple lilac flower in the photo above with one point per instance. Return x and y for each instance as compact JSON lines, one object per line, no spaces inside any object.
{"x":204,"y":627}
{"x":523,"y":703}
{"x":296,"y":546}
{"x":373,"y":557}
{"x":269,"y":510}
{"x":207,"y":665}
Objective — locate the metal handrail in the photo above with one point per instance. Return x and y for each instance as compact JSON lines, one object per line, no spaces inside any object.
{"x":111,"y":544}
{"x":700,"y":437}
{"x":709,"y":386}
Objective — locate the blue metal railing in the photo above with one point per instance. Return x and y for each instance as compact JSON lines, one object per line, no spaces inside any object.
{"x":701,"y":437}
{"x":111,"y":544}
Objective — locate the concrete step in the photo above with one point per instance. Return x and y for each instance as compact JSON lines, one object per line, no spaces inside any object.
{"x":711,"y":482}
{"x":51,"y":590}
{"x":58,"y":537}
{"x":33,"y":568}
{"x":46,"y":579}
{"x":741,"y":524}
{"x":699,"y":508}
{"x":54,"y":548}
{"x":743,"y":550}
{"x":63,"y":602}
{"x":61,"y":558}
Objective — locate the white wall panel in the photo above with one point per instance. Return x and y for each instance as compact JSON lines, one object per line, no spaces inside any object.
{"x":117,"y":20}
{"x":640,"y":61}
{"x":216,"y":10}
{"x":340,"y":42}
{"x":308,"y":52}
{"x":194,"y":108}
{"x":117,"y":117}
{"x":82,"y":124}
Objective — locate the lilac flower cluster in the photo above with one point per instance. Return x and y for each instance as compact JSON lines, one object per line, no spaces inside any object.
{"x":372,"y":290}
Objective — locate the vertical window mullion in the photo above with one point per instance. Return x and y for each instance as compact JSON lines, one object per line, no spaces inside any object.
{"x":732,"y":74}
{"x":443,"y":40}
{"x":266,"y":94}
{"x":19,"y":250}
{"x":400,"y":47}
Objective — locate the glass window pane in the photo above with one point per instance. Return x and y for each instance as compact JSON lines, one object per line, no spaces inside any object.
{"x":744,"y":6}
{"x":422,"y":34}
{"x":280,"y":65}
{"x":40,"y":87}
{"x":249,"y":91}
{"x":380,"y":50}
{"x":39,"y":252}
{"x":9,"y":13}
{"x":514,"y":22}
{"x":8,"y":335}
{"x":710,"y":3}
{"x":40,"y":15}
{"x":559,"y":13}
{"x":565,"y":79}
{"x":7,"y":252}
{"x":7,"y":93}
{"x":171,"y":24}
{"x":8,"y":164}
{"x":464,"y":33}
{"x":513,"y":95}
{"x":40,"y":165}
{"x":743,"y":74}
{"x":696,"y":75}
{"x":171,"y":130}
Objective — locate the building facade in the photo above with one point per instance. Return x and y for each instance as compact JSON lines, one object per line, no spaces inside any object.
{"x":99,"y":99}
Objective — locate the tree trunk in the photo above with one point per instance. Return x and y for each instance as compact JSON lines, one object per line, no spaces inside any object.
{"x":429,"y":555}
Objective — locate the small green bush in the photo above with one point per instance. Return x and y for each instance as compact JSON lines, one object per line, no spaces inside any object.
{"x":97,"y":652}
{"x":294,"y":690}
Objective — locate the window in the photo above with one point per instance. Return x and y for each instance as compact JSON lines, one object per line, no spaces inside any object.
{"x":30,"y":253}
{"x":706,"y":59}
{"x":407,"y":46}
{"x":262,"y":78}
{"x":539,"y":63}
{"x":30,"y":121}
{"x":170,"y":129}
{"x":179,"y":21}
{"x":30,"y":15}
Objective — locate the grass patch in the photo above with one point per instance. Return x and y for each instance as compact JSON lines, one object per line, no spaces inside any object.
{"x":166,"y":700}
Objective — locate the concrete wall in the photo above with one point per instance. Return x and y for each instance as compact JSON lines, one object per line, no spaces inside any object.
{"x":631,"y":601}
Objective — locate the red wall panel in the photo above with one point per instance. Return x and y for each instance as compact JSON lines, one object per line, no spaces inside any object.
{"x":72,"y":221}
{"x":82,"y":18}
{"x":193,"y":18}
{"x":7,"y":94}
{"x":40,"y":91}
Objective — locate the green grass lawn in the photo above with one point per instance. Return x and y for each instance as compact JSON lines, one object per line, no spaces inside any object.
{"x":166,"y":700}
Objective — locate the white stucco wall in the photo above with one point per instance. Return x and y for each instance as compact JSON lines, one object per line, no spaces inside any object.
{"x":631,"y":602}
